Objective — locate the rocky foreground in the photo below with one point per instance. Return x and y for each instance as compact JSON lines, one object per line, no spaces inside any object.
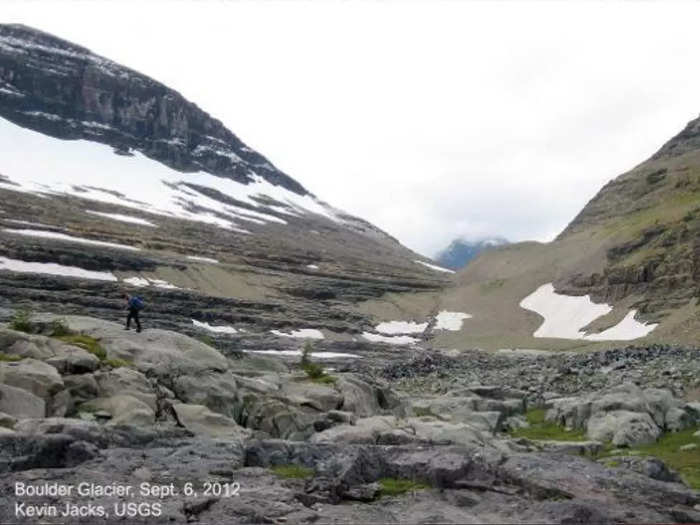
{"x":158,"y":427}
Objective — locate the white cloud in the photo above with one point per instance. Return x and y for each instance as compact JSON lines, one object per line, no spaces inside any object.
{"x":476,"y":118}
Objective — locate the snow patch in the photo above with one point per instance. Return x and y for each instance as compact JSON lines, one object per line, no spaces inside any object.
{"x":317,"y":355}
{"x":14,"y":265}
{"x":216,"y":329}
{"x":69,"y":238}
{"x":202,"y":259}
{"x":302,"y":333}
{"x":142,"y":281}
{"x":136,"y":281}
{"x":401,"y":327}
{"x":565,"y":316}
{"x":434,"y":267}
{"x":626,"y":330}
{"x":312,"y":267}
{"x":44,"y":165}
{"x":123,"y":218}
{"x":450,"y":320}
{"x":395,"y":340}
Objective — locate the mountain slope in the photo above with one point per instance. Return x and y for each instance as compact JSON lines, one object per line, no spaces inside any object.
{"x":460,"y":251}
{"x":114,"y":182}
{"x":634,"y":247}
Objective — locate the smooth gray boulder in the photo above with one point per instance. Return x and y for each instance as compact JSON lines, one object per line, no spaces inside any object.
{"x":32,"y":375}
{"x":161,"y":352}
{"x":124,"y":409}
{"x":20,"y":403}
{"x":125,"y":381}
{"x":623,"y":428}
{"x":202,"y":421}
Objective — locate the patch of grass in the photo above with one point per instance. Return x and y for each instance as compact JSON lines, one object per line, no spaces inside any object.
{"x":59,"y":328}
{"x":207,"y":340}
{"x":292,"y":471}
{"x":398,"y":486}
{"x":21,"y":321}
{"x":545,"y":430}
{"x":85,"y":342}
{"x":314,"y":371}
{"x":667,"y":449}
{"x":9,"y":357}
{"x":118,"y":363}
{"x":490,"y":286}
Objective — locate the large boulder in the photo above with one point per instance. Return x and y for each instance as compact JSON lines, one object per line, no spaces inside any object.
{"x":161,"y":352}
{"x":66,"y":358}
{"x":36,"y":377}
{"x":320,"y":397}
{"x":125,"y":381}
{"x":200,"y":420}
{"x":124,"y":409}
{"x":359,"y":397}
{"x":20,"y":403}
{"x":623,"y":428}
{"x":218,"y":391}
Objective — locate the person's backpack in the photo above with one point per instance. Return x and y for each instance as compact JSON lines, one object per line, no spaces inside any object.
{"x":137,"y":303}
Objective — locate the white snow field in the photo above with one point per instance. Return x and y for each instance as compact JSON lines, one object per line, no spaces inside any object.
{"x":69,"y":238}
{"x":626,"y":330}
{"x":142,"y":281}
{"x":392,"y":340}
{"x":319,"y":355}
{"x":565,"y":316}
{"x":15,"y":265}
{"x":216,"y":329}
{"x":302,"y":333}
{"x":202,"y":259}
{"x":401,"y":327}
{"x":312,"y":267}
{"x":48,"y":166}
{"x":450,"y":320}
{"x":122,"y":218}
{"x":434,"y":267}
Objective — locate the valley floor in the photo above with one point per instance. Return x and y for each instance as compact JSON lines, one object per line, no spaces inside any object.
{"x":419,"y":436}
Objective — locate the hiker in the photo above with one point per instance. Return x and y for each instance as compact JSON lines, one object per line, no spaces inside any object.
{"x":134,"y":305}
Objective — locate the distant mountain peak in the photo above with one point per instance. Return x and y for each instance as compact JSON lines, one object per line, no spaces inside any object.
{"x":463,"y":249}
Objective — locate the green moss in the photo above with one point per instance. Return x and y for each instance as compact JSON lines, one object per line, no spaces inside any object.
{"x":544,"y":430}
{"x":59,"y":328}
{"x":492,"y":285}
{"x":118,"y":363}
{"x":292,"y":472}
{"x":667,"y":449}
{"x":9,"y":357}
{"x":422,"y":411}
{"x":398,"y":486}
{"x":22,"y":321}
{"x":85,"y":342}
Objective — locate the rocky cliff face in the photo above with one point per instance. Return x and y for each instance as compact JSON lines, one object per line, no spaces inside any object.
{"x":66,"y":91}
{"x":648,"y":221}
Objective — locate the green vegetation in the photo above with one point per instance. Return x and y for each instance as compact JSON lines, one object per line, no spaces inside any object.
{"x":59,"y":328}
{"x":398,"y":486}
{"x":667,"y":449}
{"x":544,"y":430}
{"x":292,"y":472}
{"x":85,"y":342}
{"x":207,"y":340}
{"x":118,"y":363}
{"x":22,"y":320}
{"x":314,"y":371}
{"x":9,"y":357}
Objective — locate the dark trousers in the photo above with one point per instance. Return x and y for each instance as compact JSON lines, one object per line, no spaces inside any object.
{"x":133,"y":314}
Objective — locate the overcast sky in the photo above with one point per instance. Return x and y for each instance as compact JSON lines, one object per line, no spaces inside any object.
{"x":430,"y":119}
